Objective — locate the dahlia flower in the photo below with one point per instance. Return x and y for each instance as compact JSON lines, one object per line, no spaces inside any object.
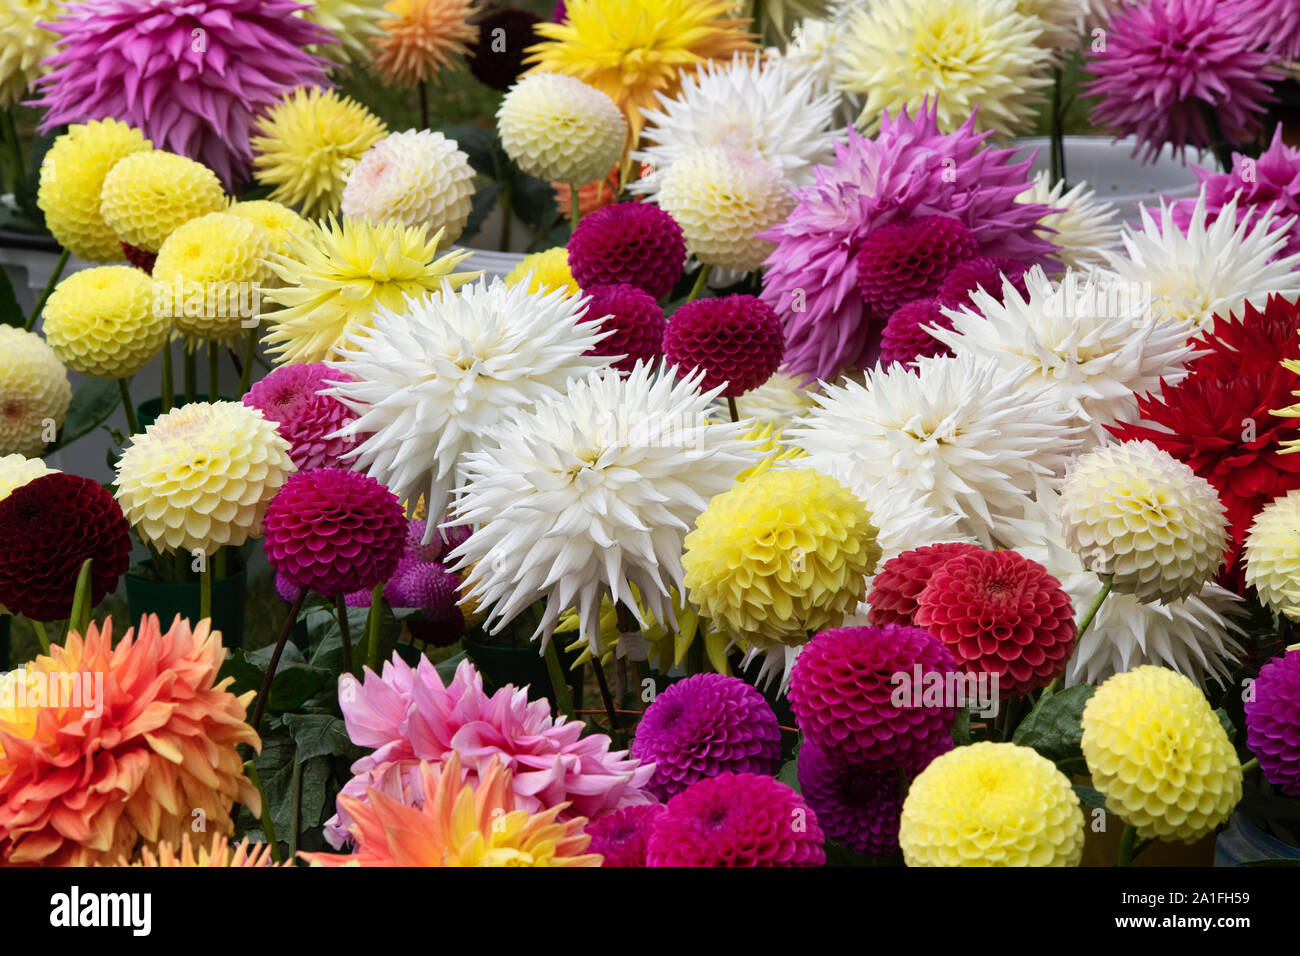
{"x":544,"y":272}
{"x":560,"y":129}
{"x":736,"y":819}
{"x":724,"y":199}
{"x":1158,"y":753}
{"x":736,"y":340}
{"x":192,"y":77}
{"x":421,"y":38}
{"x":337,"y":275}
{"x":633,"y":49}
{"x":216,"y":852}
{"x":623,"y":836}
{"x":34,"y":393}
{"x":634,"y":321}
{"x":497,"y":57}
{"x":149,"y":194}
{"x":306,"y":144}
{"x":102,"y":322}
{"x":1086,"y":341}
{"x":980,"y":273}
{"x":856,"y":806}
{"x":1273,"y":23}
{"x":909,"y":259}
{"x":431,"y":379}
{"x":911,"y":168}
{"x":417,"y":178}
{"x":277,"y":220}
{"x":202,"y":475}
{"x":1166,"y":62}
{"x":898,"y":584}
{"x":1273,"y":719}
{"x":591,"y":492}
{"x":71,"y":178}
{"x":314,"y":425}
{"x":156,"y":748}
{"x":979,"y":58}
{"x":459,"y":824}
{"x":906,"y":337}
{"x":628,"y":244}
{"x":353,"y":24}
{"x":1082,"y":229}
{"x":991,"y":804}
{"x":705,"y":725}
{"x":16,"y":471}
{"x":778,"y":401}
{"x":1272,"y":550}
{"x":25,"y":41}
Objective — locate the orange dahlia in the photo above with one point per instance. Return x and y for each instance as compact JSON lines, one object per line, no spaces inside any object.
{"x":106,"y":750}
{"x":459,"y":824}
{"x":219,"y":853}
{"x":421,"y":37}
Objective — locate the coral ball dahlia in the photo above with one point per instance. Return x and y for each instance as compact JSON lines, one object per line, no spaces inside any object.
{"x":898,"y":585}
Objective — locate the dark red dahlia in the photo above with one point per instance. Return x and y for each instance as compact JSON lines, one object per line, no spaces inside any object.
{"x":981,"y":272}
{"x":139,"y":258}
{"x":901,"y":580}
{"x":1256,"y":337}
{"x":904,"y":340}
{"x":909,"y":259}
{"x":634,"y":318}
{"x":622,"y":836}
{"x":628,"y":243}
{"x":737,"y":340}
{"x":497,"y":58}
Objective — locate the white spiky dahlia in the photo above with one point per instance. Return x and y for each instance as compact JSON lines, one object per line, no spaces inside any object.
{"x":1060,"y":19}
{"x":1085,"y":229}
{"x":723,"y":199}
{"x":591,"y":493}
{"x":960,"y":55}
{"x":354,"y":23}
{"x":779,"y":400}
{"x":417,"y":177}
{"x":1135,"y":512}
{"x":812,"y":50}
{"x":430,"y":380}
{"x":767,"y":107}
{"x":16,"y":471}
{"x":560,"y":129}
{"x":957,"y":436}
{"x":1273,"y":555}
{"x":1209,"y":270}
{"x":1084,"y":339}
{"x":34,"y":392}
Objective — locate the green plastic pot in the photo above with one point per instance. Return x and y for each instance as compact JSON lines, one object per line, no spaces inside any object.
{"x":523,"y":667}
{"x":169,"y":598}
{"x":147,"y":412}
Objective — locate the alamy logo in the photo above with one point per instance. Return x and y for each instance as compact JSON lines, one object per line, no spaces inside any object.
{"x":76,"y":909}
{"x":21,"y":689}
{"x":934,"y":689}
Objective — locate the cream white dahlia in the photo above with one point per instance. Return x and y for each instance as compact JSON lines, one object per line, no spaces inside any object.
{"x":34,"y":392}
{"x":1084,"y":230}
{"x":779,"y":400}
{"x":560,"y":129}
{"x":354,"y":24}
{"x":1273,"y":555}
{"x":16,"y":471}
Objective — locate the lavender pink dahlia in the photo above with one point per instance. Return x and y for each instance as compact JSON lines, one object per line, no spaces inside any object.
{"x":622,"y":837}
{"x":704,"y":725}
{"x":628,"y":243}
{"x":333,"y":531}
{"x":909,"y":259}
{"x":905,"y":339}
{"x":444,"y":540}
{"x":1273,"y":722}
{"x":737,"y":819}
{"x":635,"y":320}
{"x":309,"y":421}
{"x":736,"y":340}
{"x":1274,"y":24}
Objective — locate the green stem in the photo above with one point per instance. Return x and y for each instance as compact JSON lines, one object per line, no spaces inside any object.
{"x":132,"y":422}
{"x":424,"y":106}
{"x":191,"y":374}
{"x":41,"y":636}
{"x":574,"y":213}
{"x":731,"y":406}
{"x":260,"y":707}
{"x":205,"y":589}
{"x":295,"y":805}
{"x":1057,"y":130}
{"x":79,"y":619}
{"x":563,"y":699}
{"x":700,"y":280}
{"x":268,"y":825}
{"x":1249,"y":765}
{"x":214,"y":372}
{"x":1126,"y":843}
{"x":345,"y":632}
{"x":1085,"y":622}
{"x":219,"y":564}
{"x":167,"y":387}
{"x":16,"y":162}
{"x":1219,"y":144}
{"x":49,"y":287}
{"x":372,"y":626}
{"x":250,"y":355}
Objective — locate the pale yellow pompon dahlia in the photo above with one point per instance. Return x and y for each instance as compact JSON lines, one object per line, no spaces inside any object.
{"x":34,"y":392}
{"x":722,"y":199}
{"x":340,"y":272}
{"x":16,"y":471}
{"x":71,"y":180}
{"x":1157,"y":751}
{"x":545,"y":270}
{"x":306,"y":145}
{"x":354,"y":23}
{"x":148,"y":195}
{"x":102,"y":322}
{"x":779,"y":556}
{"x":991,"y":804}
{"x":416,"y":178}
{"x":24,"y":43}
{"x":633,"y":49}
{"x":277,"y":220}
{"x":421,"y":38}
{"x":960,"y":55}
{"x":201,"y":476}
{"x":560,"y":129}
{"x":1273,"y":555}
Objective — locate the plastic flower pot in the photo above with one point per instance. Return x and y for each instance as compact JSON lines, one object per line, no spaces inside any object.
{"x":148,"y":595}
{"x":523,"y":667}
{"x":494,"y":264}
{"x":1242,"y":843}
{"x":147,"y":412}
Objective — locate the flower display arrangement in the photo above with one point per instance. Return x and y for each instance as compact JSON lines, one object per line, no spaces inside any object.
{"x":826,"y":484}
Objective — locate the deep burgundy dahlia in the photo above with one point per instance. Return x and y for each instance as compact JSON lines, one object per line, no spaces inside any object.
{"x":628,"y":243}
{"x":981,"y":272}
{"x":497,"y":58}
{"x":737,"y":340}
{"x":909,"y":259}
{"x":635,"y":320}
{"x":623,"y":835}
{"x":905,"y":340}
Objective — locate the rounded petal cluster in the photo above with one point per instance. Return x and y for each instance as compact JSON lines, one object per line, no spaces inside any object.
{"x":905,"y":339}
{"x":898,"y":585}
{"x":779,"y":555}
{"x":201,"y":476}
{"x":1135,"y":512}
{"x":992,"y":804}
{"x":629,"y":243}
{"x":24,"y":43}
{"x":277,"y":220}
{"x":34,"y":392}
{"x":724,"y":198}
{"x":101,"y":322}
{"x":332,"y":531}
{"x":635,"y":321}
{"x":315,"y":425}
{"x":416,"y":177}
{"x":545,"y":271}
{"x":623,"y":837}
{"x":421,"y":38}
{"x":353,"y":23}
{"x":909,"y":259}
{"x":736,"y":340}
{"x":705,"y":725}
{"x":560,"y":129}
{"x":16,"y":471}
{"x":736,"y":819}
{"x":1273,"y":555}
{"x":72,"y":177}
{"x":847,"y":702}
{"x":856,"y":806}
{"x":1157,"y":751}
{"x":1273,"y":722}
{"x":149,"y":194}
{"x":48,"y":528}
{"x":981,"y":272}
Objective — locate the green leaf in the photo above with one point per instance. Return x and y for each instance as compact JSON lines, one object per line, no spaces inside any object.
{"x":483,"y":149}
{"x":838,"y":855}
{"x":91,"y":405}
{"x":789,"y":775}
{"x":447,"y":669}
{"x":961,"y":728}
{"x":320,"y":735}
{"x":1228,"y":726}
{"x":484,"y":202}
{"x":10,"y":312}
{"x":316,"y":806}
{"x":1090,"y":797}
{"x":295,"y":681}
{"x":1053,"y":727}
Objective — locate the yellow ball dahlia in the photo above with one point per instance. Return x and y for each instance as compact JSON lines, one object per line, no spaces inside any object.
{"x":203,"y":852}
{"x":16,"y":471}
{"x":340,"y":272}
{"x":1273,"y":555}
{"x":560,"y":129}
{"x":306,"y":145}
{"x":102,"y":322}
{"x":780,"y":555}
{"x":71,"y":180}
{"x":148,"y":195}
{"x":1157,"y":751}
{"x":991,"y":804}
{"x":549,"y":269}
{"x":421,"y":37}
{"x":34,"y":392}
{"x":277,"y":220}
{"x":201,"y":476}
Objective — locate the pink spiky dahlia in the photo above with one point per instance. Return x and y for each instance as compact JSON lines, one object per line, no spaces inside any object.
{"x":310,"y":422}
{"x":910,"y":169}
{"x":192,"y":75}
{"x":408,"y":715}
{"x":1274,"y":24}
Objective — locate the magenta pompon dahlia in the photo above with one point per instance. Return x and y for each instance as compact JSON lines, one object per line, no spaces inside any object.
{"x":909,"y":259}
{"x":904,"y":338}
{"x":633,"y":319}
{"x":736,"y":340}
{"x":309,"y":421}
{"x":1273,"y":722}
{"x":981,"y":272}
{"x":628,"y":243}
{"x":622,"y":836}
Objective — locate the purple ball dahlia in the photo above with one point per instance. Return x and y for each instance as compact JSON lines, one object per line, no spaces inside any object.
{"x":908,"y":259}
{"x":308,"y":420}
{"x":842,"y":690}
{"x":623,"y":835}
{"x":737,"y":341}
{"x":435,"y":591}
{"x":333,"y":531}
{"x":856,"y":806}
{"x":1273,"y":722}
{"x":628,"y":243}
{"x":634,"y":318}
{"x":702,"y":726}
{"x":980,"y":272}
{"x":905,"y":339}
{"x":736,"y":819}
